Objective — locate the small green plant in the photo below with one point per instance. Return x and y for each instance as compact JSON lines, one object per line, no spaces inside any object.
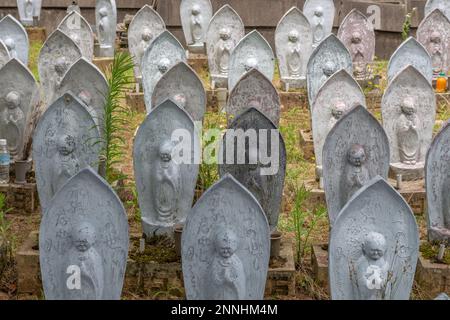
{"x":304,"y":222}
{"x":6,"y":238}
{"x":407,"y":26}
{"x":115,"y":123}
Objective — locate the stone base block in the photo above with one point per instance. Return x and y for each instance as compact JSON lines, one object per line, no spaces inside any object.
{"x":135,"y":100}
{"x":198,"y":62}
{"x":21,"y":198}
{"x":281,"y":276}
{"x":199,"y":49}
{"x":104,"y":64}
{"x":28,"y":270}
{"x":319,"y":264}
{"x":220,"y":82}
{"x":291,"y":100}
{"x":36,"y":34}
{"x":413,"y":192}
{"x":290,"y":83}
{"x":408,"y":172}
{"x":432,"y":278}
{"x":307,"y":144}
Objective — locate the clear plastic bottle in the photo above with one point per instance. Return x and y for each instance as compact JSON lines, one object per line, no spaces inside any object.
{"x":5,"y":160}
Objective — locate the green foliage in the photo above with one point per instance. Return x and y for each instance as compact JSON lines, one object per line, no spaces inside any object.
{"x":35,"y":49}
{"x":113,"y":142}
{"x":407,"y":26}
{"x":6,"y":237}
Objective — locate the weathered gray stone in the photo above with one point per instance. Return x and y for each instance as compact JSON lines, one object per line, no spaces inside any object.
{"x":442,"y":5}
{"x":73,"y":7}
{"x":254,"y":90}
{"x":434,"y":34}
{"x":225,"y":30}
{"x":328,"y":58}
{"x":248,"y":161}
{"x":195,"y":16}
{"x":409,"y":110}
{"x":64,"y":142}
{"x":146,"y":25}
{"x":19,"y":95}
{"x":15,"y":37}
{"x":106,"y":23}
{"x":357,"y":34}
{"x":293,"y":42}
{"x":410,"y":52}
{"x":29,"y":9}
{"x":355,"y":151}
{"x":338,"y":95}
{"x":162,"y":54}
{"x":182,"y":85}
{"x":374,"y":246}
{"x":437,"y":181}
{"x":4,"y":54}
{"x":253,"y":51}
{"x":226,"y":233}
{"x":320,"y":14}
{"x":57,"y":55}
{"x":84,"y":233}
{"x":89,"y":85}
{"x":165,"y":167}
{"x":80,"y":31}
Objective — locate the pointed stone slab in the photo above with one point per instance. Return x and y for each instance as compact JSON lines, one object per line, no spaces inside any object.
{"x":376,"y":218}
{"x":64,"y":143}
{"x":357,"y":137}
{"x":19,"y":96}
{"x":409,"y":139}
{"x":437,"y":173}
{"x":106,"y":23}
{"x":328,"y":58}
{"x":162,"y":54}
{"x":146,"y":25}
{"x":320,"y":14}
{"x":184,"y":87}
{"x":337,"y":96}
{"x":89,"y":84}
{"x":266,"y":185}
{"x":29,"y":9}
{"x":80,"y":31}
{"x":411,"y":52}
{"x":165,"y":182}
{"x":253,"y":51}
{"x":57,"y":55}
{"x":442,"y":5}
{"x":4,"y":54}
{"x":225,"y":30}
{"x":293,"y":42}
{"x":254,"y":90}
{"x":84,"y":232}
{"x":358,"y":35}
{"x":195,"y":16}
{"x":15,"y":37}
{"x":227,"y":215}
{"x":434,"y":34}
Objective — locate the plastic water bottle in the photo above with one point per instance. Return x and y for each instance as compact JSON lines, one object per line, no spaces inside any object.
{"x":4,"y":162}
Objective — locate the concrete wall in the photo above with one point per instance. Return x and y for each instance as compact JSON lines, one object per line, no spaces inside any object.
{"x":260,"y":14}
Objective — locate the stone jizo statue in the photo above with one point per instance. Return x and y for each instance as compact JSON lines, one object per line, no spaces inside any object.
{"x":223,"y":50}
{"x":356,"y":172}
{"x":14,"y":120}
{"x":407,"y":131}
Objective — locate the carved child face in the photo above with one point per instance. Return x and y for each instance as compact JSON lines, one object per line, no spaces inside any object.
{"x":13,"y":100}
{"x":163,"y":65}
{"x":293,"y":36}
{"x":61,"y":66}
{"x":408,"y":107}
{"x":225,"y":34}
{"x":66,"y":144}
{"x":147,"y":35}
{"x":226,"y":243}
{"x":103,"y":12}
{"x":357,"y":155}
{"x":10,"y":44}
{"x":338,"y":110}
{"x":83,"y":236}
{"x":435,"y":37}
{"x":374,"y":246}
{"x":165,"y":151}
{"x":329,"y":68}
{"x":318,"y":12}
{"x":356,"y":38}
{"x":195,"y":10}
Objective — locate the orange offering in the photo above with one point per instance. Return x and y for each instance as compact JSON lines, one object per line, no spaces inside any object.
{"x":441,"y":83}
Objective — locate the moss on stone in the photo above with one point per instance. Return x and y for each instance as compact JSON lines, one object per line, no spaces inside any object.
{"x":430,"y":252}
{"x":157,"y":249}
